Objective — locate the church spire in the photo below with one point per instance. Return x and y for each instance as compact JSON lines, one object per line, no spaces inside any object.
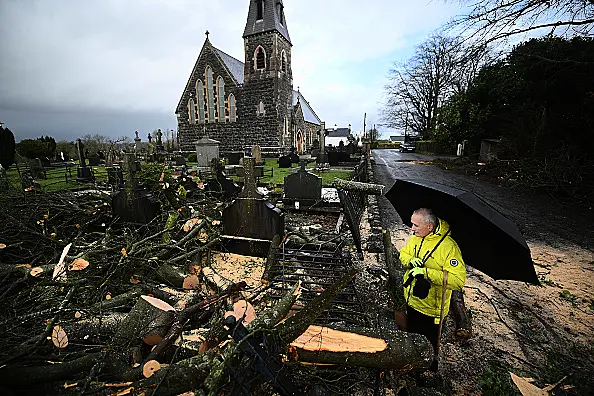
{"x":266,"y":16}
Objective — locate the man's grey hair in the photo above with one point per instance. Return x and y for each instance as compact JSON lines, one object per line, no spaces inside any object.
{"x":428,"y":216}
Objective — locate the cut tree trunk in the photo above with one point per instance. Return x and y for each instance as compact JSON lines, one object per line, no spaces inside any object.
{"x":215,"y":279}
{"x":24,"y":377}
{"x":148,"y":322}
{"x":267,"y":275}
{"x":91,"y":329}
{"x":171,"y":275}
{"x":383,"y":349}
{"x":367,"y":188}
{"x":461,"y":315}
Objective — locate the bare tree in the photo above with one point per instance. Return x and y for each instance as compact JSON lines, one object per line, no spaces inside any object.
{"x":420,"y":86}
{"x":492,"y":20}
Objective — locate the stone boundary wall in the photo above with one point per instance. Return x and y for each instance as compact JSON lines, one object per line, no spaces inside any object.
{"x":375,"y":242}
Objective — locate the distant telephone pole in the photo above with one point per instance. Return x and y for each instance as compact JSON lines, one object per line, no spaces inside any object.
{"x":364,"y":125}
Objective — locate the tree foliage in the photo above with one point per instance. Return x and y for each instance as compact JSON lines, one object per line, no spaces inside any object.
{"x":42,"y":147}
{"x":7,"y":147}
{"x":539,"y":100}
{"x":492,"y":20}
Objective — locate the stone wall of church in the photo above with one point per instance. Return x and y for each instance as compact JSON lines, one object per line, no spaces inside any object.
{"x":225,"y":132}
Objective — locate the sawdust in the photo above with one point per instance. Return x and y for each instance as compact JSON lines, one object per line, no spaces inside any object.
{"x":236,"y":268}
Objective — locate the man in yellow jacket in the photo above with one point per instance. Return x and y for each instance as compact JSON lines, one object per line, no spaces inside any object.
{"x":429,"y":254}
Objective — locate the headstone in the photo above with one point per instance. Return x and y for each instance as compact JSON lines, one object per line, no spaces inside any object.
{"x":36,"y":169}
{"x":322,"y":157}
{"x":93,"y":160}
{"x":303,"y":186}
{"x":180,"y":161}
{"x":284,"y":161}
{"x":294,"y":157}
{"x":250,"y":216}
{"x":136,"y":143}
{"x":81,"y":153}
{"x":343,"y":156}
{"x":115,"y":175}
{"x":133,"y":204}
{"x":221,"y":183}
{"x":206,"y":150}
{"x":351,"y":148}
{"x":234,"y":157}
{"x":160,"y":147}
{"x":333,"y":158}
{"x":257,"y":154}
{"x":83,"y":172}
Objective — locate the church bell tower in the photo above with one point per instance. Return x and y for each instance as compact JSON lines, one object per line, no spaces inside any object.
{"x":268,"y":79}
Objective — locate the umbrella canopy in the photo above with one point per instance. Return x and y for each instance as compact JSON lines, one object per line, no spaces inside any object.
{"x":489,"y":241}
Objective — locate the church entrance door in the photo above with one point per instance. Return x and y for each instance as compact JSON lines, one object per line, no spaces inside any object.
{"x":299,"y":142}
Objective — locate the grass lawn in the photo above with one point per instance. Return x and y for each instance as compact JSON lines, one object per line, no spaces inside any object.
{"x":280,"y":173}
{"x":59,"y":178}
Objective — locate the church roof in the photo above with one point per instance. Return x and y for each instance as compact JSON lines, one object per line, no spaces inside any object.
{"x":308,"y":113}
{"x":235,"y":66}
{"x":338,"y":132}
{"x":273,"y":19}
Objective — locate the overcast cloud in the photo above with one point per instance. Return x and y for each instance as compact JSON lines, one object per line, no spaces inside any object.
{"x":72,"y":67}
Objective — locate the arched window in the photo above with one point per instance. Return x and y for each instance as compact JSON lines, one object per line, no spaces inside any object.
{"x":200,"y":98}
{"x":210,"y":94}
{"x":260,"y":4}
{"x":260,"y":110}
{"x":221,"y":98}
{"x":281,"y":14}
{"x":192,"y":111}
{"x":283,"y":61}
{"x":232,"y":108}
{"x":260,"y":63}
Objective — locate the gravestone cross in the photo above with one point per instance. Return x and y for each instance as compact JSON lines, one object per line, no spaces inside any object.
{"x":257,"y":154}
{"x":136,"y":143}
{"x":250,"y":189}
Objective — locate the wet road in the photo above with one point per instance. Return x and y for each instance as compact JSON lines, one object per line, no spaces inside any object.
{"x":539,"y":217}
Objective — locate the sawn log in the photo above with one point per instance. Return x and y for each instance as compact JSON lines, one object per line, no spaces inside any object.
{"x":389,"y":350}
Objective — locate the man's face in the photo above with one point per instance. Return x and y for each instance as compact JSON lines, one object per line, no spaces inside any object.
{"x":420,"y":227}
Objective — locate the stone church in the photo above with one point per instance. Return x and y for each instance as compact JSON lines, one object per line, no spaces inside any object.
{"x":251,"y":102}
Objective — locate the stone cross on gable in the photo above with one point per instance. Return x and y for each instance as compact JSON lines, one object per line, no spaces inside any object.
{"x":250,"y":189}
{"x":81,"y":152}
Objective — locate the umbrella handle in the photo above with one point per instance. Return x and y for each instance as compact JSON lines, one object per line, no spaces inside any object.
{"x":443,"y":295}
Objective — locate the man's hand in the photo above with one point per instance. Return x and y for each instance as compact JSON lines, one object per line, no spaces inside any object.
{"x":416,"y":262}
{"x":417,"y":271}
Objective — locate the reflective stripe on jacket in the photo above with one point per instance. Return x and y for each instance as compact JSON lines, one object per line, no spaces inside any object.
{"x":447,"y":257}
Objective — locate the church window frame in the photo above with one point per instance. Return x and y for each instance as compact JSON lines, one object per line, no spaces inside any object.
{"x":221,"y":98}
{"x":281,"y":14}
{"x":191,"y":111}
{"x":232,"y":108}
{"x":200,"y":100}
{"x":210,"y":93}
{"x":260,"y":109}
{"x":260,"y":58}
{"x":283,"y":61}
{"x":259,"y":10}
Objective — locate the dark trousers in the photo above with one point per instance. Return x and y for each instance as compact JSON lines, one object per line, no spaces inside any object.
{"x":423,"y":324}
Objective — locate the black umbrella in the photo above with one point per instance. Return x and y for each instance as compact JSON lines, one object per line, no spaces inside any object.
{"x":489,"y":241}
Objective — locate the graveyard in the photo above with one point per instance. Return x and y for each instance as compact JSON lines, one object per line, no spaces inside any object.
{"x":237,"y":273}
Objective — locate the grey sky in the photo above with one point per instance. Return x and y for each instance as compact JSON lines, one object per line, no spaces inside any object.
{"x":72,"y":67}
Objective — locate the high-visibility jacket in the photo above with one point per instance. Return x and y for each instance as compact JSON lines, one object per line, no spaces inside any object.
{"x":447,"y":257}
